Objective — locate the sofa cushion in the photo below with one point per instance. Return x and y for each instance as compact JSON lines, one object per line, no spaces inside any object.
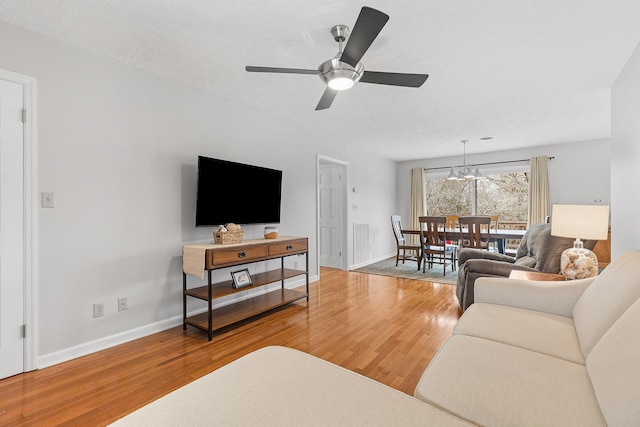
{"x":615,"y":372}
{"x":543,"y":332}
{"x":547,"y":296}
{"x":495,"y":384}
{"x":610,"y":294}
{"x":279,"y":386}
{"x":527,"y":261}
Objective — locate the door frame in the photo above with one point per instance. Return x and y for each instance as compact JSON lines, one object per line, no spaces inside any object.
{"x":344,"y":167}
{"x":30,"y":224}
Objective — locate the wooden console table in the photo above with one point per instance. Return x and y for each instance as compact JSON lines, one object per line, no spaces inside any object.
{"x":249,"y":251}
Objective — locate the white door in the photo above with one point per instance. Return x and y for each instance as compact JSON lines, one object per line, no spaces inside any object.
{"x":11,"y":229}
{"x":330,"y":182}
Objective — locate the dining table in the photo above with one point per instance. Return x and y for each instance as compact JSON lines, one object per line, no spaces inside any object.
{"x":496,"y":235}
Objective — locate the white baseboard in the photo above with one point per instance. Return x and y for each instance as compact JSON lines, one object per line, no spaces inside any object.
{"x":84,"y":349}
{"x":371,"y":261}
{"x":106,"y":342}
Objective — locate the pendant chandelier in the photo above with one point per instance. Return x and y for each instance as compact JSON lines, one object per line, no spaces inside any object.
{"x":467,"y":171}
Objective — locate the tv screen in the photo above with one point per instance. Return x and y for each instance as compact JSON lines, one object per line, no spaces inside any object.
{"x":236,"y":192}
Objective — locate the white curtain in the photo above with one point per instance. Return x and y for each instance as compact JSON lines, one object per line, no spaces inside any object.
{"x":418,"y":198}
{"x":538,"y":190}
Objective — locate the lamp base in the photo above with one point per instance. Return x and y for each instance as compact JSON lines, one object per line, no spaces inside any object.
{"x":578,"y":263}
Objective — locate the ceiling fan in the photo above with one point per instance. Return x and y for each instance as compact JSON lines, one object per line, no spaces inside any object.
{"x":345,"y":69}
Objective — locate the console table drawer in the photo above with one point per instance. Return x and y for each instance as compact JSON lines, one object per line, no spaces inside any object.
{"x":234,"y":256}
{"x":288,"y":247}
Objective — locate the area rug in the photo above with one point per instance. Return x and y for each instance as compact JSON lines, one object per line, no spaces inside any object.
{"x":409,"y":270}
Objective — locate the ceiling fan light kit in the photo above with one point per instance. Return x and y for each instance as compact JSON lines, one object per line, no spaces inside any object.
{"x":345,"y":69}
{"x":339,"y":75}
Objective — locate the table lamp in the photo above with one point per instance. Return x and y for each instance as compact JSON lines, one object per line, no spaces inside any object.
{"x":579,"y":222}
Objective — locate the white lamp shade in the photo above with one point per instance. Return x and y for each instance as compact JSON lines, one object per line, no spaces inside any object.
{"x":589,"y":222}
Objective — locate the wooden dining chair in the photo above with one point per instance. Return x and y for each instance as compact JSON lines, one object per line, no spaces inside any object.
{"x":452,"y":224}
{"x":433,"y":238}
{"x":494,"y":245}
{"x":493,"y":225}
{"x":476,"y":229}
{"x":405,"y":250}
{"x":494,"y":222}
{"x":452,"y":221}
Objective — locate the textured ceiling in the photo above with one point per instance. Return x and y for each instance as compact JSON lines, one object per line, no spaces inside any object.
{"x":525,"y":72}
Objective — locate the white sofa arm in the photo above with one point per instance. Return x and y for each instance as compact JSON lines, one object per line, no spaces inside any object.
{"x":546,"y":296}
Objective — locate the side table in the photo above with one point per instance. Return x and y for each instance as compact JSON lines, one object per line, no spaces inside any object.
{"x":536,"y":275}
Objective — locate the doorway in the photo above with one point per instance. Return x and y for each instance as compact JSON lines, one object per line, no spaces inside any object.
{"x":332,"y":216}
{"x":16,"y":137}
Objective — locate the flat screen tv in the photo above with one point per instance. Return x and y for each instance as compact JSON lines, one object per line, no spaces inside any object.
{"x":236,"y":192}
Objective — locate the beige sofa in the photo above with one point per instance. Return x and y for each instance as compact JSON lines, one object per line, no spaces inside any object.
{"x":279,"y":386}
{"x":524,"y":354}
{"x":545,"y":353}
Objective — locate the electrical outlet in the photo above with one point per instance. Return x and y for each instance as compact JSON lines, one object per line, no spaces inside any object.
{"x":98,"y":310}
{"x":122,"y":304}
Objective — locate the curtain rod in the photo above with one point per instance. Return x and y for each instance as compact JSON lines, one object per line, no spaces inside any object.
{"x":483,"y":164}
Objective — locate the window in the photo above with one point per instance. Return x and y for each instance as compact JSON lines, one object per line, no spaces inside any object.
{"x":504,"y":194}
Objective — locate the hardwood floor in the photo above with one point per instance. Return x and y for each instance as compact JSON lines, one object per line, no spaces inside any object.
{"x":385,"y":328}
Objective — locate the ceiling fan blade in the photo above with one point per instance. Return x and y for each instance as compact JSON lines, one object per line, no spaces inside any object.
{"x":394,"y":79}
{"x":253,"y":69}
{"x":327,"y":99}
{"x":366,"y":29}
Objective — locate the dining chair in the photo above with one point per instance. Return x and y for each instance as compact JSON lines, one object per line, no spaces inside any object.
{"x":494,"y":245}
{"x":493,"y":225}
{"x":494,"y":222}
{"x":452,"y":221}
{"x":405,"y":250}
{"x":476,"y":229}
{"x":433,"y":238}
{"x":452,"y":224}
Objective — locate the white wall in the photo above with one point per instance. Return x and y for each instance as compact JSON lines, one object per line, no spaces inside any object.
{"x":625,"y":158}
{"x":578,"y":174}
{"x":375,"y":200}
{"x":118,"y":147}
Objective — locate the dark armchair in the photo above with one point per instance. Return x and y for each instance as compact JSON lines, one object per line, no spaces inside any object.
{"x":538,"y":251}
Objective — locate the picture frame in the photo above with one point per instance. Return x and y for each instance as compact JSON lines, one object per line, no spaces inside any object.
{"x":241,"y":278}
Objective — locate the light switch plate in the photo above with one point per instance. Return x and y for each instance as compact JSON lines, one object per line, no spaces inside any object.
{"x":47,"y":200}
